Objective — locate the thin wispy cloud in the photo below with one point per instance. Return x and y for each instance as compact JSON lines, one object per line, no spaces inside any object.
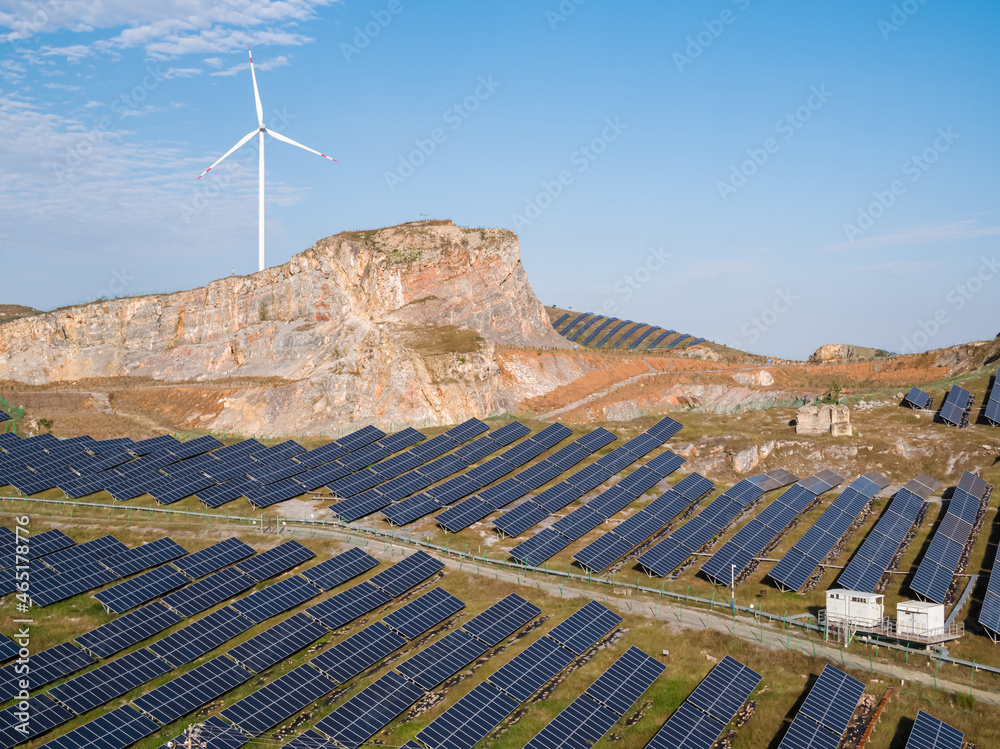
{"x":277,"y":62}
{"x":923,"y":234}
{"x":895,"y":270}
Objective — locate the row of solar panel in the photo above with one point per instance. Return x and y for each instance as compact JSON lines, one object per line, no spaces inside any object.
{"x":647,"y":522}
{"x":476,"y":478}
{"x":210,"y":680}
{"x":993,"y":402}
{"x":628,"y":330}
{"x":476,"y":508}
{"x":170,"y":470}
{"x":671,"y":552}
{"x":957,"y":407}
{"x":950,"y":542}
{"x":730,"y":562}
{"x":555,"y":498}
{"x":822,"y":720}
{"x":808,"y":553}
{"x":867,"y":567}
{"x":549,"y":541}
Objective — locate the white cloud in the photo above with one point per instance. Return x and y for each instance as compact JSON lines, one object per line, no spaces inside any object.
{"x":276,"y":62}
{"x":164,"y":28}
{"x":181,"y":73}
{"x":63,"y":86}
{"x":923,"y":234}
{"x":72,"y":53}
{"x":896,"y":269}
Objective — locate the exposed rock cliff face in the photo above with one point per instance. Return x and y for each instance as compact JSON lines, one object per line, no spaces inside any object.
{"x":397,"y":325}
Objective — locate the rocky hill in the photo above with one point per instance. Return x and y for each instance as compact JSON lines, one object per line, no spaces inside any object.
{"x":398,"y":325}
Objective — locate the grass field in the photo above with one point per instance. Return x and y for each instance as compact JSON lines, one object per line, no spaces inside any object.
{"x":786,"y":673}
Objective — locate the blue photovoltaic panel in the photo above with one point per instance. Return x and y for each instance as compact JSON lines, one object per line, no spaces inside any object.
{"x":369,"y":711}
{"x":276,"y":643}
{"x":213,"y":558}
{"x":585,"y":327}
{"x":358,"y":652}
{"x":442,"y":659}
{"x":45,"y":714}
{"x":525,"y":674}
{"x":127,"y":630}
{"x":191,"y":690}
{"x":274,"y":561}
{"x":464,"y":514}
{"x":419,"y":615}
{"x":361,"y":438}
{"x":585,"y":627}
{"x":405,"y":574}
{"x":688,"y":728}
{"x":501,"y":619}
{"x":199,"y":637}
{"x":626,"y":333}
{"x":581,"y":725}
{"x":279,"y":700}
{"x":917,"y":398}
{"x":411,"y":509}
{"x":469,"y":720}
{"x":275,"y":599}
{"x":805,"y":733}
{"x":643,"y":337}
{"x":209,"y":591}
{"x":562,"y":318}
{"x":329,"y":574}
{"x":575,"y":321}
{"x":141,"y":589}
{"x":597,"y":331}
{"x":8,"y":648}
{"x":520,"y":518}
{"x":110,"y":680}
{"x":929,"y":732}
{"x":833,"y":699}
{"x":310,"y":740}
{"x":349,"y":605}
{"x":543,"y":545}
{"x":117,"y":729}
{"x":678,"y":339}
{"x":725,"y":689}
{"x":621,"y":324}
{"x":956,"y":405}
{"x":143,"y":557}
{"x":46,"y":666}
{"x":621,"y":686}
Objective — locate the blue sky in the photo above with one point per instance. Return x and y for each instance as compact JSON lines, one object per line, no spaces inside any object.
{"x":774,"y":176}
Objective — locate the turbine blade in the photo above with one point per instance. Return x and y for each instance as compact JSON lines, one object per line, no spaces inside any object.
{"x":242,"y":141}
{"x":288,"y":140}
{"x":256,"y":94}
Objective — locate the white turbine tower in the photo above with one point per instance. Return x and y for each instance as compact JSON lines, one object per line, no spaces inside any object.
{"x":261,"y":129}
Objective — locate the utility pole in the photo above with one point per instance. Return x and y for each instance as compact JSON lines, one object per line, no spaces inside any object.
{"x":191,"y":740}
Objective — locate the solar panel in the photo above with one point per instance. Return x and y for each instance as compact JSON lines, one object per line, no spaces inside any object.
{"x":467,"y":430}
{"x":141,"y":589}
{"x":581,"y":725}
{"x":216,"y":733}
{"x":191,"y":690}
{"x":687,"y":728}
{"x":279,"y":700}
{"x":402,"y":439}
{"x":360,"y":438}
{"x":917,"y":398}
{"x":469,"y":720}
{"x":557,"y":497}
{"x":543,"y":545}
{"x":328,"y":574}
{"x":347,"y":606}
{"x":442,"y":659}
{"x":274,"y":561}
{"x":585,"y":627}
{"x":502,"y":494}
{"x":118,"y":729}
{"x":464,"y":514}
{"x":552,"y":435}
{"x":410,"y":509}
{"x":501,"y":619}
{"x":805,"y":733}
{"x":625,"y":681}
{"x":930,"y":733}
{"x":525,"y":674}
{"x":324,"y":454}
{"x":407,"y":573}
{"x":127,"y":630}
{"x":45,"y":714}
{"x":371,"y":710}
{"x":603,"y":552}
{"x":110,"y":680}
{"x":476,"y":450}
{"x":8,"y":648}
{"x":205,"y":593}
{"x":213,"y":558}
{"x":580,"y":522}
{"x":199,"y":637}
{"x":617,"y":460}
{"x":71,"y":558}
{"x":725,"y":689}
{"x":955,"y":410}
{"x":419,"y":615}
{"x":48,"y":542}
{"x":47,"y":666}
{"x":47,"y":589}
{"x":278,"y":453}
{"x":278,"y":642}
{"x":358,"y":652}
{"x":832,"y":700}
{"x":274,"y":599}
{"x":143,"y":557}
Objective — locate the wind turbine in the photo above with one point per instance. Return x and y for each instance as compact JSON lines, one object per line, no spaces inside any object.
{"x":261,"y":129}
